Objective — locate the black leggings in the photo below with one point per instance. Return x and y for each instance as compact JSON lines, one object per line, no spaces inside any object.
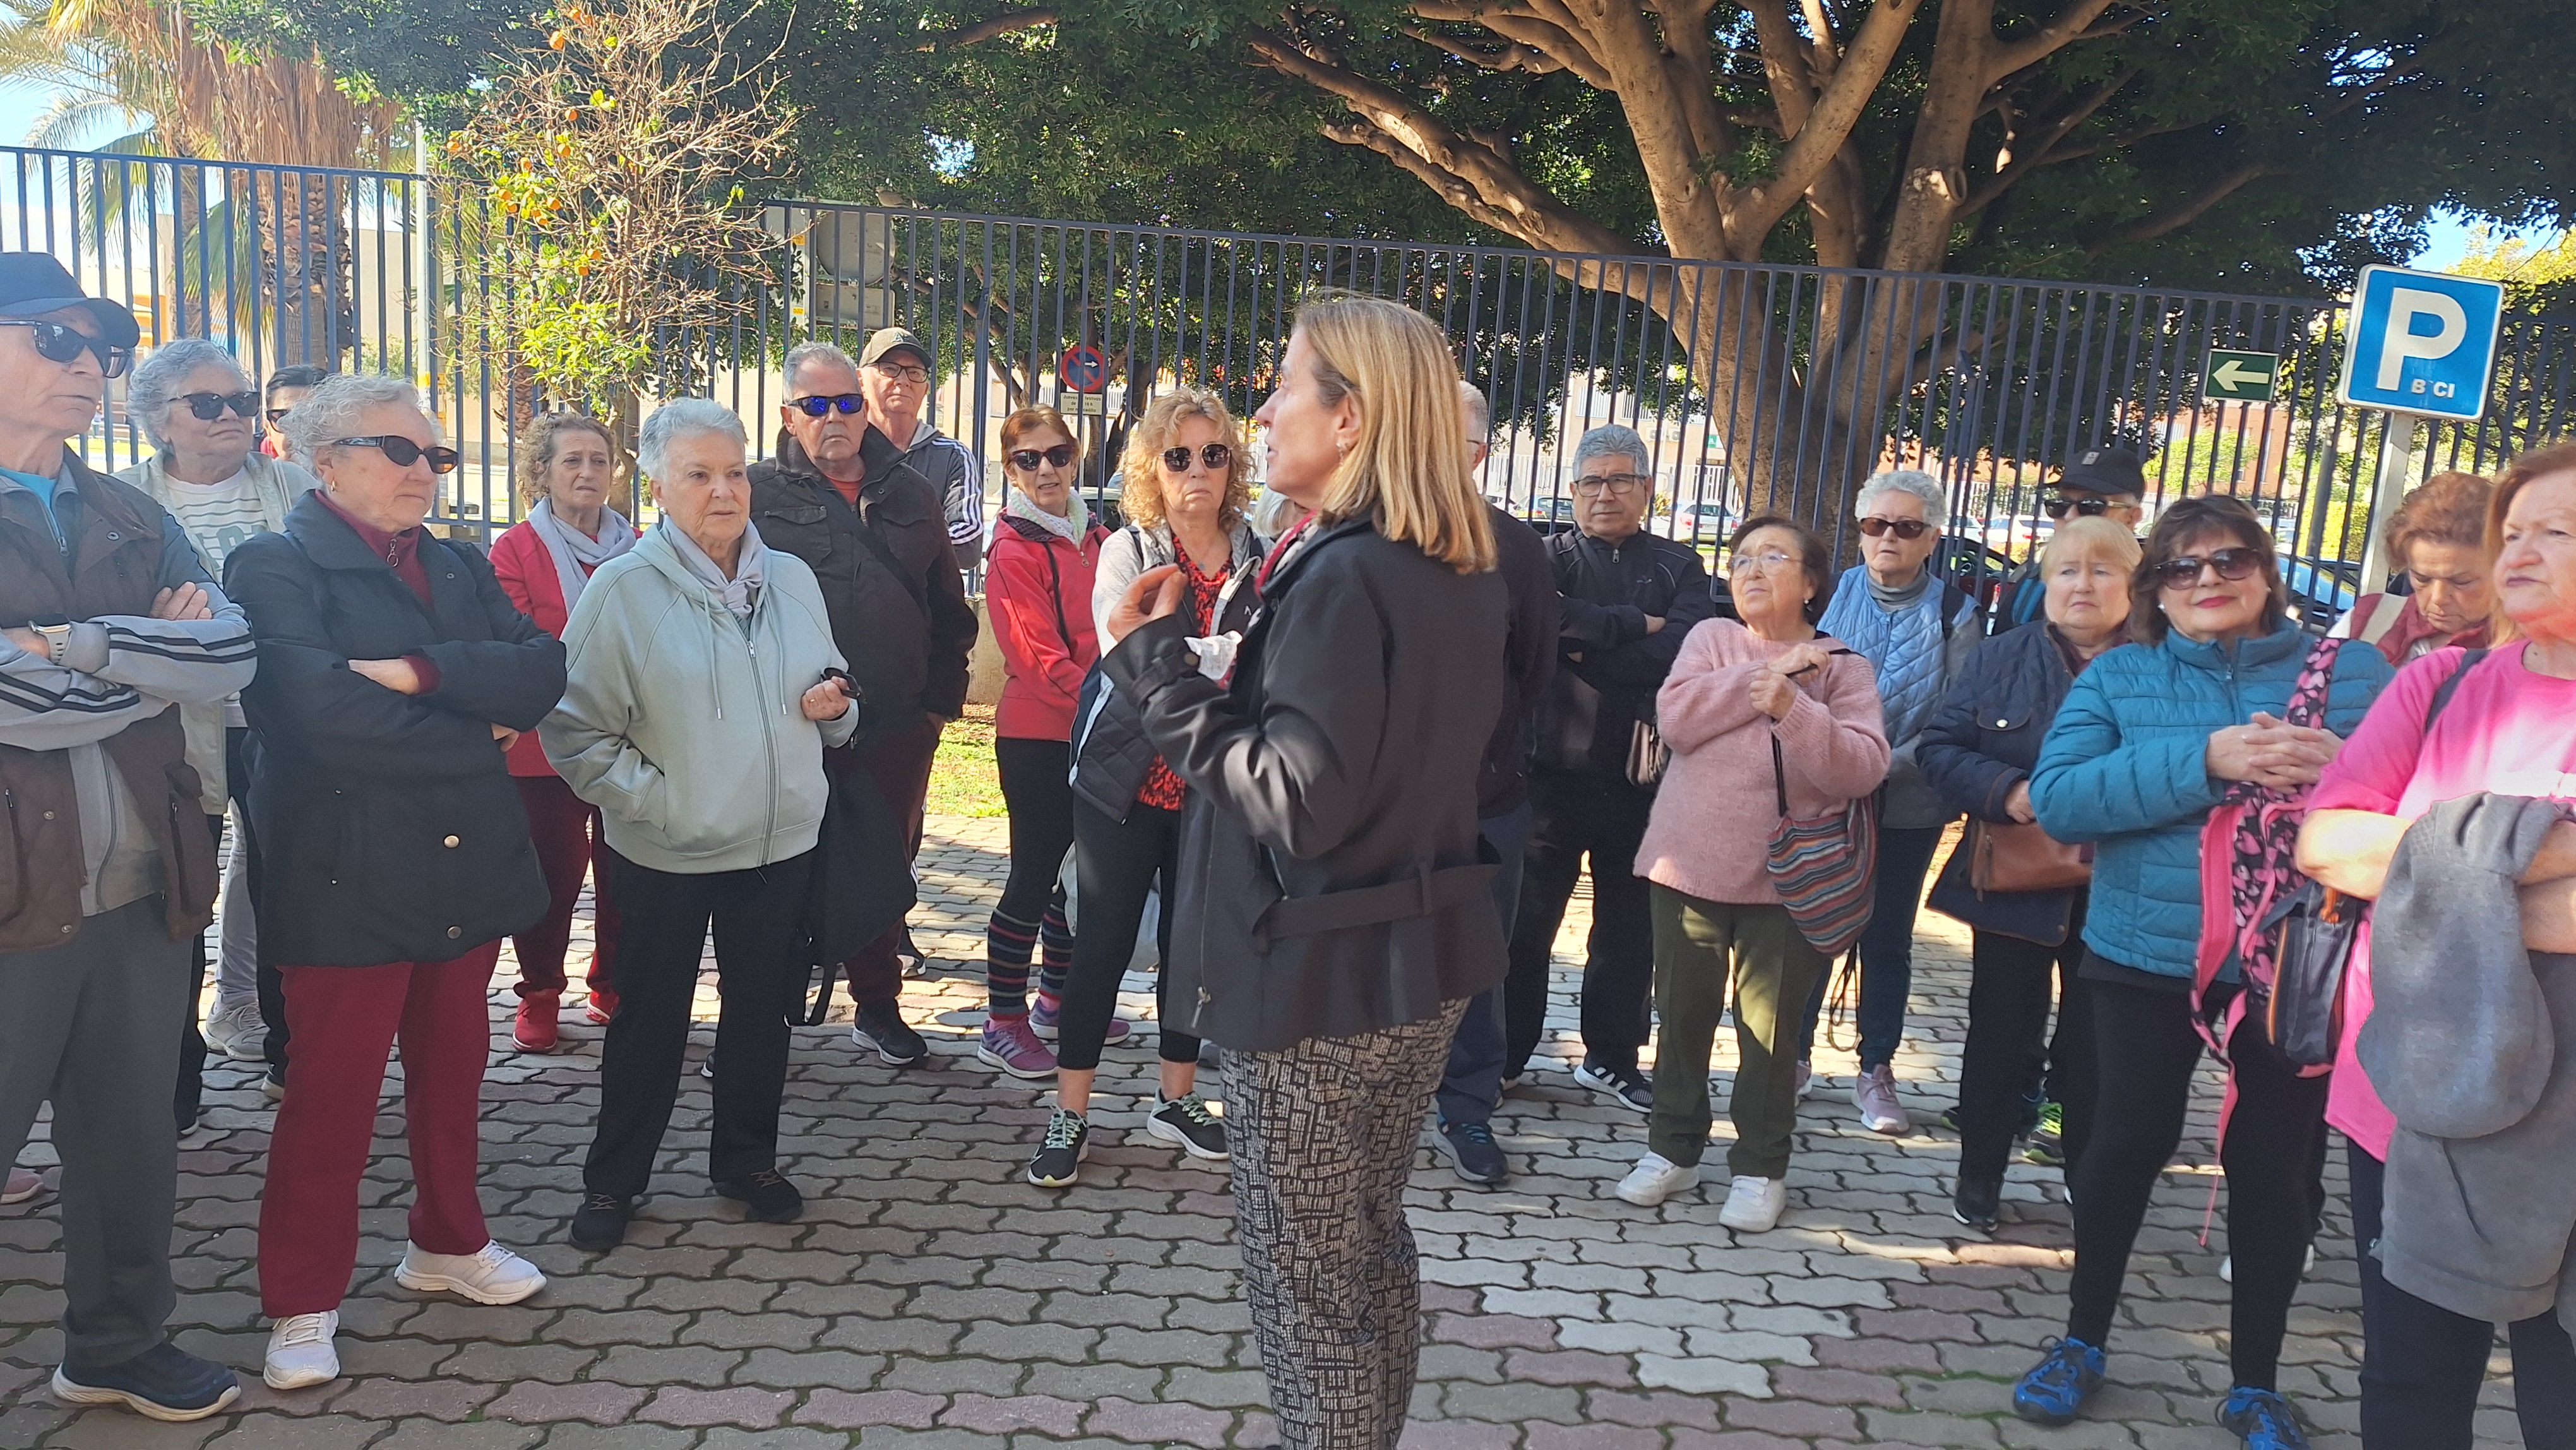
{"x":1115,"y":863}
{"x":2144,"y":1052}
{"x":2009,"y":1047}
{"x":2422,"y":1364}
{"x":1040,"y":800}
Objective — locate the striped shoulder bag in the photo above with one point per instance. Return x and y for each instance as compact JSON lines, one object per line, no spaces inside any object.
{"x":1824,"y":867}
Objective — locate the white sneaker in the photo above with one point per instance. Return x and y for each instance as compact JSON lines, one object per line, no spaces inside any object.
{"x":22,"y":1184}
{"x":2227,"y":1266}
{"x":1806,"y":1079}
{"x":1874,"y":1093}
{"x":1654,"y":1179}
{"x":300,"y":1352}
{"x":238,"y":1033}
{"x":1753,"y":1205}
{"x":489,"y":1275}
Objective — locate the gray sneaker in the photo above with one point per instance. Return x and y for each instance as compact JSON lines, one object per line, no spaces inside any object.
{"x":1186,"y":1120}
{"x":238,"y":1033}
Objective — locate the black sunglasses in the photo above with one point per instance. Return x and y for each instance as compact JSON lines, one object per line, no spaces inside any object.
{"x":818,"y":405}
{"x":1907,"y":529}
{"x":2231,"y":564}
{"x":209,"y":406}
{"x":1026,"y":460}
{"x":278,"y":415}
{"x":403,"y":453}
{"x":60,"y":343}
{"x":2091,"y":508}
{"x":1217,"y":456}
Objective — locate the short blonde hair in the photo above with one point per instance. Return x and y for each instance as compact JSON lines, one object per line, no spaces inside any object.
{"x":1142,"y":463}
{"x":1408,"y":473}
{"x":2096,"y":533}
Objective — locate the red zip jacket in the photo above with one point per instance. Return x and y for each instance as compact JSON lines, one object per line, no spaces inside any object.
{"x":527,"y":574}
{"x":1037,"y":590}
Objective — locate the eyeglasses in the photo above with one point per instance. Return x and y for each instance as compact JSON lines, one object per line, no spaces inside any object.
{"x":1218,"y":457}
{"x":817,"y":406}
{"x":1602,"y":485}
{"x":2091,"y":508}
{"x":1026,"y":460}
{"x":207,"y":407}
{"x":61,"y":343}
{"x":2231,"y":564}
{"x":1906,"y":529}
{"x":278,"y":415}
{"x":401,"y":452}
{"x":899,"y":373}
{"x":1764,"y":562}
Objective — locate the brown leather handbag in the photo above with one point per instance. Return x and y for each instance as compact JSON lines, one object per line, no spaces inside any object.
{"x":2024,"y":858}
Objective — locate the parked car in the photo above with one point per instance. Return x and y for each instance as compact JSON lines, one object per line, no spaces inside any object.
{"x":2321,"y":590}
{"x":1696,"y":522}
{"x":1550,"y":515}
{"x":1976,"y":567}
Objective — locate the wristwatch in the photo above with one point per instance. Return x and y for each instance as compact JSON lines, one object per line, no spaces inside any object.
{"x":56,"y":638}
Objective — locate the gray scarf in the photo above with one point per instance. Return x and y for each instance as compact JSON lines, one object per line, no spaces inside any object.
{"x":737,"y":594}
{"x":575,"y":553}
{"x":1070,"y":529}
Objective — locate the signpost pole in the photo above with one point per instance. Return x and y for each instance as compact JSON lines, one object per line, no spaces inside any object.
{"x":2396,"y":452}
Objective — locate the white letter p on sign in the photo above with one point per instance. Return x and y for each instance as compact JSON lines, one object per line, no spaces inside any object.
{"x":2401,"y":341}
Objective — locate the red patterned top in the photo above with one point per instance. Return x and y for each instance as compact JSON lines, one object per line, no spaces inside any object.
{"x":1163,"y":787}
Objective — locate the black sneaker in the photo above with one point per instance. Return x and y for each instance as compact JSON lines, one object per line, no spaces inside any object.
{"x":1186,"y":1120}
{"x":1978,"y":1205}
{"x":600,"y":1223}
{"x":1058,"y":1161}
{"x":766,"y":1196}
{"x":1949,"y":1117}
{"x":162,"y":1383}
{"x":1473,"y":1152}
{"x":880,"y":1025}
{"x":1623,"y":1083}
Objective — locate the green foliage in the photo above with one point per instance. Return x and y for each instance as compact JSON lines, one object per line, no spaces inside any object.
{"x":2541,"y":276}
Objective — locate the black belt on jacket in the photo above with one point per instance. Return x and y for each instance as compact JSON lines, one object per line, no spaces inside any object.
{"x":1426,"y":893}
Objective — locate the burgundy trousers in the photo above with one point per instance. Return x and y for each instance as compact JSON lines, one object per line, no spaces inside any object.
{"x":899,"y":763}
{"x":565,"y":829}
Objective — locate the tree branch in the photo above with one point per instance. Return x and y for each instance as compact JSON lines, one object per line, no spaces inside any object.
{"x":1510,"y":58}
{"x":1550,"y":34}
{"x":1007,"y":23}
{"x":2042,"y":145}
{"x":1837,"y":109}
{"x":2072,"y":24}
{"x":2183,"y":213}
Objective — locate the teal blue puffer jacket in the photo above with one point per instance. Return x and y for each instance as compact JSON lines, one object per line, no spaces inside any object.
{"x":2123,"y":767}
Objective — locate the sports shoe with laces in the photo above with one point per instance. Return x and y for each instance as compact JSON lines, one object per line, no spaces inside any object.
{"x":1978,"y":1205}
{"x":1656,"y":1178}
{"x":880,"y":1025}
{"x":163,"y":1383}
{"x":766,"y":1196}
{"x":1058,"y":1161}
{"x":2262,"y":1419}
{"x":489,"y":1275}
{"x":23,"y":1184}
{"x":2057,"y":1387}
{"x":1045,"y":1011}
{"x":538,"y":1027}
{"x":600,"y":1223}
{"x":237,"y":1032}
{"x":1010,"y":1045}
{"x":1625,"y":1084}
{"x":603,"y":1005}
{"x":1472,"y":1151}
{"x":1753,"y":1205}
{"x":1874,"y":1093}
{"x":1186,"y":1120}
{"x":300,"y":1352}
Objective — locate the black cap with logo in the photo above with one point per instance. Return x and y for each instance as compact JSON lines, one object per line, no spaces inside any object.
{"x":33,"y":284}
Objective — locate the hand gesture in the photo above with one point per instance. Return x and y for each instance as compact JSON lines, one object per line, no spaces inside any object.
{"x":185,"y":601}
{"x":505,"y":737}
{"x":1156,"y":593}
{"x":2017,"y":803}
{"x":828,"y":700}
{"x":395,"y":675}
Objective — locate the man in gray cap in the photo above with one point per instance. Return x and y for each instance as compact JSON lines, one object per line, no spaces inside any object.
{"x":894,"y":376}
{"x":107,"y":873}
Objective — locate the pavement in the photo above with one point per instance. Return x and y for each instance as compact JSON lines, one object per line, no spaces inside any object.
{"x":931,"y":1299}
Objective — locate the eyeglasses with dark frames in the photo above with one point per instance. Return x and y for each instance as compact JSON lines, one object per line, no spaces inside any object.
{"x":1906,"y":529}
{"x":1219,"y":458}
{"x":2231,"y":564}
{"x":207,"y":407}
{"x":819,"y":404}
{"x":2091,"y":508}
{"x":60,"y":342}
{"x":1026,"y":460}
{"x":900,"y":373}
{"x":1603,"y":484}
{"x":401,"y":452}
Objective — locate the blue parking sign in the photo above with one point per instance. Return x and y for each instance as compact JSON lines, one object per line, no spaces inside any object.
{"x":2421,"y":342}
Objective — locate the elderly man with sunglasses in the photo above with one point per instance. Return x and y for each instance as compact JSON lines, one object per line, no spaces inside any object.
{"x":2107,"y":483}
{"x":107,"y":873}
{"x":201,"y":414}
{"x":839,"y":496}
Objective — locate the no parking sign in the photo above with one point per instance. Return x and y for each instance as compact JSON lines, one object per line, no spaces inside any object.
{"x":1082,"y":369}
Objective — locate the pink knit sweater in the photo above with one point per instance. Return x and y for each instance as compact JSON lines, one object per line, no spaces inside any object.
{"x":1714,"y":811}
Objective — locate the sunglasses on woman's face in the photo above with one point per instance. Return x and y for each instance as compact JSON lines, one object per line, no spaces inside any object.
{"x":207,"y":407}
{"x":1026,"y":460}
{"x":816,"y":407}
{"x":58,"y":342}
{"x":2091,"y":508}
{"x":401,"y":452}
{"x":2231,"y":564}
{"x":1906,"y":529}
{"x":1217,"y":456}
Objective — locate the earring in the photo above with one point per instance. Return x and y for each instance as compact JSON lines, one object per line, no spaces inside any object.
{"x":1341,"y":448}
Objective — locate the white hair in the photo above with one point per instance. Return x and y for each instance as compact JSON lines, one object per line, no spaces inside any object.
{"x":156,"y":382}
{"x":333,"y":408}
{"x":1936,"y":499}
{"x":822,"y":352}
{"x":683,"y":418}
{"x":1478,"y":408}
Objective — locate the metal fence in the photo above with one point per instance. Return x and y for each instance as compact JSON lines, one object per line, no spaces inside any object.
{"x":1753,"y":386}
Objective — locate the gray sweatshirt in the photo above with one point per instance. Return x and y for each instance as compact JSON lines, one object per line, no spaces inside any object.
{"x":2463,"y":1046}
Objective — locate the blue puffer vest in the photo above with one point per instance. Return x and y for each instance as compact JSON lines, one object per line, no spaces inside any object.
{"x":1910,"y":650}
{"x":2124,"y":766}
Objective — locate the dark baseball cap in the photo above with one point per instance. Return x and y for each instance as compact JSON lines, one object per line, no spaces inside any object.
{"x":2107,"y":471}
{"x":33,"y":284}
{"x":894,"y":339}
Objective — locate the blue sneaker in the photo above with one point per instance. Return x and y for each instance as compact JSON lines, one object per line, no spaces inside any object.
{"x":2262,"y":1419}
{"x":2058,"y":1385}
{"x":161,"y":1383}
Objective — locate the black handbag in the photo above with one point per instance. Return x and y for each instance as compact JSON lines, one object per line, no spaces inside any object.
{"x":1647,"y":755}
{"x":862,"y":885}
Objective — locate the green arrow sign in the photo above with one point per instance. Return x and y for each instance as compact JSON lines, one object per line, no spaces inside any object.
{"x":2240,"y":377}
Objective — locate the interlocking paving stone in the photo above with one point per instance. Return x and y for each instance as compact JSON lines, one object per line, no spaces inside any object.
{"x":933,"y":1300}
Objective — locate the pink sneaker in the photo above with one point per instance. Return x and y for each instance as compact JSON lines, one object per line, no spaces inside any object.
{"x":23,"y":1184}
{"x":1042,"y":1018}
{"x":1010,"y":1045}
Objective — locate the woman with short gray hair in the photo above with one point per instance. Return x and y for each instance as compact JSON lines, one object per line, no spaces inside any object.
{"x":704,"y":688}
{"x":201,"y":414}
{"x":1915,"y":628}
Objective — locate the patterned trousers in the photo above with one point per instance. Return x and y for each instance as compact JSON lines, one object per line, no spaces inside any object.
{"x":1323,"y":1137}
